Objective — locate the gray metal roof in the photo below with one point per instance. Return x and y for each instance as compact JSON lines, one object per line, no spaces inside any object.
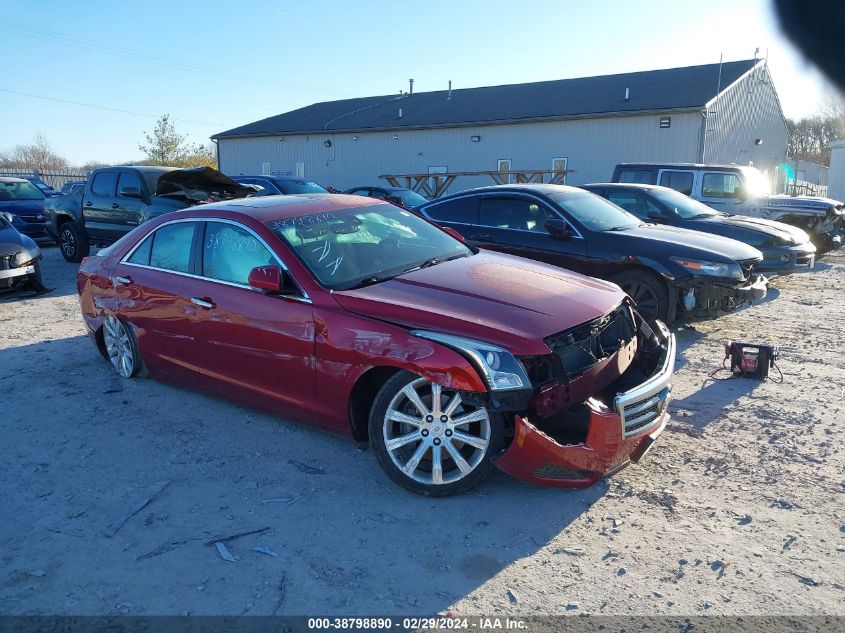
{"x":653,"y":90}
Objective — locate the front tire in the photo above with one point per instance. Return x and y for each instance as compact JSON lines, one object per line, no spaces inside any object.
{"x":73,"y":242}
{"x":121,"y":347}
{"x":428,"y":440}
{"x":648,"y":291}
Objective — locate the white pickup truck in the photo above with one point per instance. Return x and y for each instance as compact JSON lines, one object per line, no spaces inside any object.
{"x":740,"y":190}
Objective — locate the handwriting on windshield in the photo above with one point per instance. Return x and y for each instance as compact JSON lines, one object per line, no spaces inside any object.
{"x":325,"y":257}
{"x":303,"y":220}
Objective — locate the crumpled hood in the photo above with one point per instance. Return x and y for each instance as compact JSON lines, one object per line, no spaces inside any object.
{"x":10,"y":241}
{"x":779,"y":230}
{"x":198,"y":182}
{"x":813,"y":203}
{"x":492,"y":297}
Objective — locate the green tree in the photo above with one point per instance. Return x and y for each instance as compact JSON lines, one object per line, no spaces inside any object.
{"x":165,"y":146}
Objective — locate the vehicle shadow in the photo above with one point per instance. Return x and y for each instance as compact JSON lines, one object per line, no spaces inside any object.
{"x":344,"y":539}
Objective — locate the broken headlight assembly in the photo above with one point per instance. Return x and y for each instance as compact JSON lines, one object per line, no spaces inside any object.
{"x":499,"y":368}
{"x":25,"y":258}
{"x":730,"y":270}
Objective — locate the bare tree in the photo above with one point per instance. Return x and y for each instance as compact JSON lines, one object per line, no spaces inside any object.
{"x":36,"y":155}
{"x":809,"y":137}
{"x":165,"y":146}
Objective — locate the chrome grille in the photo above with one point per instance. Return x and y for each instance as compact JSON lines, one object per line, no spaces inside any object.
{"x":639,"y":415}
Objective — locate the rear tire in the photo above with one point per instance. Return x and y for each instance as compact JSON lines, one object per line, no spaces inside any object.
{"x":427,"y":440}
{"x":648,"y":291}
{"x":73,"y":242}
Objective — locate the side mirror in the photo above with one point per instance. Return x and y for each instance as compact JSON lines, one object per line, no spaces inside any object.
{"x":8,"y":217}
{"x":268,"y":278}
{"x":130,"y":192}
{"x":741,"y":194}
{"x":453,"y":233}
{"x":558,"y":229}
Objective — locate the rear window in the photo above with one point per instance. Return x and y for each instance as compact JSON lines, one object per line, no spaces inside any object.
{"x":642,"y":176}
{"x":292,"y":186}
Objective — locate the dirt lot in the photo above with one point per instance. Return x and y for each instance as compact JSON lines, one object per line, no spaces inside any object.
{"x":738,"y":509}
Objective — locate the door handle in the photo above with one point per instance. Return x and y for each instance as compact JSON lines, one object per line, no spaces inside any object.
{"x":203,"y":302}
{"x":89,"y":204}
{"x":484,"y":237}
{"x":114,"y":205}
{"x":122,"y":280}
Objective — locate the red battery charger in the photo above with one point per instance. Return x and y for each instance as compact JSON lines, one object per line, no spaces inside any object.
{"x":750,"y":361}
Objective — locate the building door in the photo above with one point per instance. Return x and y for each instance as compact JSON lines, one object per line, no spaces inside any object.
{"x":503,"y":166}
{"x":559,"y":171}
{"x":300,"y":170}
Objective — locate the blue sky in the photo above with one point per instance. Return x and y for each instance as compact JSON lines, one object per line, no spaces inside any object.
{"x":216,"y":65}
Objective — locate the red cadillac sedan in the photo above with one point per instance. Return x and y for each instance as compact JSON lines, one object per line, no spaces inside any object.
{"x":366,"y":320}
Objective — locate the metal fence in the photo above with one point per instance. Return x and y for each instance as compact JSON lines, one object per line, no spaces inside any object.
{"x":56,"y":178}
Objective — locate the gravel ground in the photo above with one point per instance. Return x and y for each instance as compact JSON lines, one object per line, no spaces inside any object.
{"x":737,"y":510}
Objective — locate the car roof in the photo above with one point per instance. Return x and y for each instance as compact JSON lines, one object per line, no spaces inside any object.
{"x":533,"y":187}
{"x":684,"y":165}
{"x":12,"y":179}
{"x":622,"y":185}
{"x":270,"y":208}
{"x":270,"y":177}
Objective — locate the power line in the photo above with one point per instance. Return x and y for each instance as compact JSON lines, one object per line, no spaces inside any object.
{"x":28,"y":30}
{"x":101,"y":107}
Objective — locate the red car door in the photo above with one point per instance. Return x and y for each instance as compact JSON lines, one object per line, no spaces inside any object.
{"x":153,"y":290}
{"x":256,"y":347}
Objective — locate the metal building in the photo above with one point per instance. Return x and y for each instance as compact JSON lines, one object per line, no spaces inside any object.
{"x":723,"y":113}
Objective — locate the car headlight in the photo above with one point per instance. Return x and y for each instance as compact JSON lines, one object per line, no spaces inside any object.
{"x":24,"y":258}
{"x":704,"y":267}
{"x":499,"y":368}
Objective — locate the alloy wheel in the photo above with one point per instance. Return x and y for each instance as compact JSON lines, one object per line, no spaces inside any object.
{"x":643,"y":295}
{"x":432,"y":436}
{"x":119,"y":346}
{"x":68,"y":243}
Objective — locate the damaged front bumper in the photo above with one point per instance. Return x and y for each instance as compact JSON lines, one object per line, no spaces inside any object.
{"x":616,"y":434}
{"x":709,"y":297}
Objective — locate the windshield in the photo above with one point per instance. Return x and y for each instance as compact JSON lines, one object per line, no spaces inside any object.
{"x":595,"y":213}
{"x":299,"y":186}
{"x":684,"y":206}
{"x":20,"y":191}
{"x":351,"y":247}
{"x":411,"y":199}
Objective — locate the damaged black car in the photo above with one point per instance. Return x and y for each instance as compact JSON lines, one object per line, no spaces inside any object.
{"x":20,"y":259}
{"x":673,"y":274}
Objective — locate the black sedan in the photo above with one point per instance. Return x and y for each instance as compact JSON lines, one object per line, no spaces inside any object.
{"x":672,"y":273}
{"x":280,"y":185}
{"x":397,"y":196}
{"x":24,"y":202}
{"x":785,"y":247}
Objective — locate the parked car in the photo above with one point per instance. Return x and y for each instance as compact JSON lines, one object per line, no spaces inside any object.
{"x":398,"y":196}
{"x":784,"y":247}
{"x":46,"y":189}
{"x":73,"y":187}
{"x":672,"y":273}
{"x":25,"y":203}
{"x":744,"y":190}
{"x":280,"y":185}
{"x":117,"y":199}
{"x":20,"y":257}
{"x":369,"y":321}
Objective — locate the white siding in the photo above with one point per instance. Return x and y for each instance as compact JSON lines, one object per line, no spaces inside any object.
{"x":836,"y":183}
{"x":746,"y":111}
{"x":592,"y":146}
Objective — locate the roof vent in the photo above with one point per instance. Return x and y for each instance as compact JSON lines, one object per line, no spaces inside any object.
{"x":449,"y":96}
{"x":411,"y":89}
{"x":627,"y":94}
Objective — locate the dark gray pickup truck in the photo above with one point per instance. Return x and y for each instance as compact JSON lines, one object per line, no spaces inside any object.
{"x":117,"y":199}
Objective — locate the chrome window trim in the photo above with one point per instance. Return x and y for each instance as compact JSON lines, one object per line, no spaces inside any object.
{"x":577,"y":234}
{"x":125,"y":259}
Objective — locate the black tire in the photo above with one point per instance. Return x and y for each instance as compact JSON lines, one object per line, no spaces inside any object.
{"x":439,"y":436}
{"x":73,"y":242}
{"x":648,"y":291}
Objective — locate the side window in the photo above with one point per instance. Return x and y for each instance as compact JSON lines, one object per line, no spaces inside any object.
{"x":677,"y":180}
{"x":377,"y":193}
{"x":171,"y":249}
{"x":520,"y":214}
{"x":719,"y":185}
{"x":270,"y":189}
{"x":142,"y":253}
{"x":128,"y":179}
{"x":104,"y":183}
{"x":460,"y":210}
{"x":360,"y":192}
{"x":642,"y":176}
{"x":230,"y":252}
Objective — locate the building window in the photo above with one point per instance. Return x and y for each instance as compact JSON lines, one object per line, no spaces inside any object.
{"x":300,"y":170}
{"x":503,"y":166}
{"x":559,"y":170}
{"x":265,"y":169}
